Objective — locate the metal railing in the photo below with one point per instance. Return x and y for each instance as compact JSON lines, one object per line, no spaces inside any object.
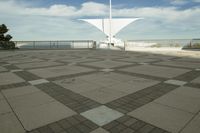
{"x":158,"y":43}
{"x":71,"y":44}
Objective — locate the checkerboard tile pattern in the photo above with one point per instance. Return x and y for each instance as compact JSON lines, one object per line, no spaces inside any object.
{"x":52,"y":91}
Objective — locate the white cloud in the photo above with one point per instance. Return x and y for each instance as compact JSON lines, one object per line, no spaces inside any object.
{"x":183,"y":2}
{"x":59,"y":21}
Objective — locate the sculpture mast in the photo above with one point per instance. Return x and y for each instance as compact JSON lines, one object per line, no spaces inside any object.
{"x":110,"y":30}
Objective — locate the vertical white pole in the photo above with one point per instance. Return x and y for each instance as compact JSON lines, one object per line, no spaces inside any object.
{"x":110,"y":22}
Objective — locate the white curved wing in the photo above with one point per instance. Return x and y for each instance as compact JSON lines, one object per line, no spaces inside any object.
{"x":117,"y":24}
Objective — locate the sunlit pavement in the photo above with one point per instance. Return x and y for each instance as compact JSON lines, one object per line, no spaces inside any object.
{"x":98,"y":91}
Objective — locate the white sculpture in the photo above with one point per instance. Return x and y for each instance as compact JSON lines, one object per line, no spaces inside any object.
{"x":110,"y":27}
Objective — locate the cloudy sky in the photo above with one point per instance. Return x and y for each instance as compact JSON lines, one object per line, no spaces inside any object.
{"x":58,"y":19}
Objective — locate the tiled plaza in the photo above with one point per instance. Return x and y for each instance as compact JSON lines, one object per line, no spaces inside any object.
{"x":98,"y":91}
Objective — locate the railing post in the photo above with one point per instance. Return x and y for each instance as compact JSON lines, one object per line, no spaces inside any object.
{"x":73,"y":44}
{"x":33,"y":44}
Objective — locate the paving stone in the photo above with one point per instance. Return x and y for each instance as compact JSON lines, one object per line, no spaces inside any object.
{"x":34,"y":131}
{"x":30,"y":100}
{"x":107,"y":70}
{"x":55,"y":127}
{"x":164,"y":117}
{"x":39,"y":81}
{"x":196,"y":80}
{"x":10,"y":124}
{"x":189,"y":92}
{"x":100,"y":130}
{"x":90,"y":124}
{"x":9,"y":78}
{"x":76,"y":85}
{"x":14,"y":85}
{"x":157,"y":130}
{"x":128,"y":130}
{"x":19,"y":91}
{"x":107,"y":64}
{"x":37,"y":64}
{"x":138,"y":125}
{"x":17,"y":70}
{"x":11,"y":67}
{"x":133,"y":85}
{"x":189,"y":76}
{"x":130,"y":122}
{"x":73,"y":121}
{"x":27,"y":75}
{"x":1,"y":97}
{"x":45,"y":129}
{"x":2,"y":69}
{"x":143,"y":63}
{"x":64,"y":124}
{"x":193,"y":126}
{"x":110,"y":125}
{"x":83,"y":128}
{"x":181,"y":102}
{"x":4,"y":107}
{"x":138,"y":59}
{"x":103,"y":95}
{"x":176,"y":82}
{"x":157,"y":71}
{"x":59,"y":71}
{"x":42,"y":115}
{"x":180,"y":64}
{"x":72,"y":130}
{"x":118,"y":129}
{"x":146,"y":129}
{"x":102,"y":115}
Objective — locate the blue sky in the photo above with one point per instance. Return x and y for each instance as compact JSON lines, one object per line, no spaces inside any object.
{"x":58,"y":19}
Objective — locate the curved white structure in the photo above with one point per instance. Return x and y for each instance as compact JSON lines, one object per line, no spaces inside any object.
{"x":110,"y":27}
{"x":104,"y":24}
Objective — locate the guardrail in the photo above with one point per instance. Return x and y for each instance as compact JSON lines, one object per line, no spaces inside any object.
{"x":72,"y":44}
{"x":158,"y":43}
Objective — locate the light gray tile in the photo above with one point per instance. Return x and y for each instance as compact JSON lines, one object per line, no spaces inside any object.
{"x":10,"y":124}
{"x":39,"y":81}
{"x":9,"y":78}
{"x":175,"y":82}
{"x":107,"y":64}
{"x":157,"y":71}
{"x":42,"y":115}
{"x":103,"y":95}
{"x":4,"y":107}
{"x":16,"y":70}
{"x":193,"y":126}
{"x":1,"y":96}
{"x":143,"y":63}
{"x":197,"y":80}
{"x":107,"y":70}
{"x":138,"y":59}
{"x":161,"y":116}
{"x":37,"y":64}
{"x":133,"y":85}
{"x":102,"y":115}
{"x":19,"y":91}
{"x":59,"y":71}
{"x":180,"y":64}
{"x":189,"y":92}
{"x":30,"y":100}
{"x":2,"y":69}
{"x":181,"y":102}
{"x":77,"y":85}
